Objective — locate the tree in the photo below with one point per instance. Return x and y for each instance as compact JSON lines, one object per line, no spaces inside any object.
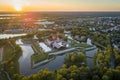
{"x":95,"y":77}
{"x":105,"y":77}
{"x":75,"y":59}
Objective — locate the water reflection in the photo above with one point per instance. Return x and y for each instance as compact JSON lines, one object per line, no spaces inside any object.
{"x":6,"y":36}
{"x":25,"y":59}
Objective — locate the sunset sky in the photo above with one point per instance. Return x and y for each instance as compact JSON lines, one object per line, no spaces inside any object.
{"x":59,"y":5}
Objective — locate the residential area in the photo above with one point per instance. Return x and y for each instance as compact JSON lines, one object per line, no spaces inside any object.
{"x":30,"y":43}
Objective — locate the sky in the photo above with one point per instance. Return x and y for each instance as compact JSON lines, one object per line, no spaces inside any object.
{"x":59,"y":5}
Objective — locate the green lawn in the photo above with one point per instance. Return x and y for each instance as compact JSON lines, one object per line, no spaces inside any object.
{"x":84,"y":45}
{"x":99,"y":45}
{"x":36,"y":48}
{"x":37,"y":57}
{"x":75,"y":44}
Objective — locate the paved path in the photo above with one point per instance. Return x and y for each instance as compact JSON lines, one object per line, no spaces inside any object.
{"x":11,"y":45}
{"x":1,"y":54}
{"x":7,"y":75}
{"x":25,"y":44}
{"x":71,"y":49}
{"x":42,"y":62}
{"x":63,"y":51}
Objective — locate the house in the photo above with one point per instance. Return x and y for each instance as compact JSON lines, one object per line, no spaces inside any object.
{"x":58,"y":44}
{"x":67,"y":33}
{"x":48,"y":42}
{"x":44,"y":47}
{"x":35,"y":37}
{"x":56,"y":41}
{"x":80,"y":38}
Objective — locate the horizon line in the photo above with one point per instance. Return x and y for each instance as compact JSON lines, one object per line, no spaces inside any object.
{"x":66,"y":11}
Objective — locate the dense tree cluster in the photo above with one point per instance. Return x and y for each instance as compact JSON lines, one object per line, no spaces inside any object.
{"x":75,"y":59}
{"x":101,"y":39}
{"x":79,"y":31}
{"x":74,"y":73}
{"x":104,"y":58}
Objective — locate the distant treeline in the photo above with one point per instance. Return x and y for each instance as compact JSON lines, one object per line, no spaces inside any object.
{"x":69,"y":13}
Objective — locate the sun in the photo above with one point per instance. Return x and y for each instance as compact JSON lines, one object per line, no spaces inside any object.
{"x":18,"y":7}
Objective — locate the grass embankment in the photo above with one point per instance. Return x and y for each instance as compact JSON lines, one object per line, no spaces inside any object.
{"x":84,"y":45}
{"x":11,"y":54}
{"x":39,"y":54}
{"x":75,"y":43}
{"x":99,"y":45}
{"x":37,"y":57}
